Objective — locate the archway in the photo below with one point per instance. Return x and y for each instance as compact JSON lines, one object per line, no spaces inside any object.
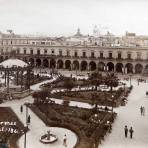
{"x":146,"y":69}
{"x":31,"y":61}
{"x":68,"y":64}
{"x":1,"y":58}
{"x":25,"y":60}
{"x":101,"y":66}
{"x":52,"y":63}
{"x":60,"y":64}
{"x":110,"y":66}
{"x":38,"y":62}
{"x":6,"y":57}
{"x":45,"y":63}
{"x":119,"y":67}
{"x":84,"y":65}
{"x":75,"y":65}
{"x":92,"y":66}
{"x":129,"y":68}
{"x":138,"y":68}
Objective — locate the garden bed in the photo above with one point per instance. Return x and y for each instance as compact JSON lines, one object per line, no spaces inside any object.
{"x":88,"y":124}
{"x":11,"y":129}
{"x":95,"y":97}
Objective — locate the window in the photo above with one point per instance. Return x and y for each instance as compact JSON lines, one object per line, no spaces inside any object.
{"x":6,"y":50}
{"x":38,"y":52}
{"x":101,"y":54}
{"x":45,"y":51}
{"x":138,"y":55}
{"x":1,"y":50}
{"x":42,"y":43}
{"x":68,"y":53}
{"x":52,"y":51}
{"x":31,"y":51}
{"x":60,"y":52}
{"x":147,"y":55}
{"x":119,"y":55}
{"x":110,"y":55}
{"x":92,"y":55}
{"x":84,"y":54}
{"x":76,"y":54}
{"x":17,"y":51}
{"x":24,"y":51}
{"x":129,"y":56}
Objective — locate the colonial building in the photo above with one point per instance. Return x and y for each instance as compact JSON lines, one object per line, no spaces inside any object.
{"x":79,"y":52}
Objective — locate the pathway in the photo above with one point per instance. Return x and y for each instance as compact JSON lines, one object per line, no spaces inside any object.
{"x":37,"y":127}
{"x":130,"y":115}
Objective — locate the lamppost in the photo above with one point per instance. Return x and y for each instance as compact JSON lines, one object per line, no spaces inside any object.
{"x":112,"y":105}
{"x":124,"y":88}
{"x":130,"y":80}
{"x":76,"y":70}
{"x":26,"y":127}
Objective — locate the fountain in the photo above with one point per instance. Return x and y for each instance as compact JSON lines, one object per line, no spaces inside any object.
{"x":48,"y":138}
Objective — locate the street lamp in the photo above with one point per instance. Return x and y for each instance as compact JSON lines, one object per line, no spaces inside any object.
{"x":76,"y":71}
{"x":130,"y":80}
{"x":112,"y":105}
{"x":26,"y":127}
{"x":124,"y":88}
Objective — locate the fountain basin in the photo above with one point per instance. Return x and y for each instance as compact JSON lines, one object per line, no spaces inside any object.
{"x":44,"y":139}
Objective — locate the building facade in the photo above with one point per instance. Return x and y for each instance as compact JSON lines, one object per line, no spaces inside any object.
{"x":76,"y":53}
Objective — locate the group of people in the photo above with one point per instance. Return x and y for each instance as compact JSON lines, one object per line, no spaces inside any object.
{"x":28,"y":118}
{"x":142,"y":110}
{"x":126,"y":130}
{"x":131,"y":131}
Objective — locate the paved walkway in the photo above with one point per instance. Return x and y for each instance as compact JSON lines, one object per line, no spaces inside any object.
{"x":37,"y":127}
{"x":130,"y":116}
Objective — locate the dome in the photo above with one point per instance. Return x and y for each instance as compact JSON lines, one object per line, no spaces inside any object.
{"x":12,"y":63}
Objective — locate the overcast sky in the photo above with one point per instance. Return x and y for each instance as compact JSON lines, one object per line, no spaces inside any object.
{"x":63,"y":17}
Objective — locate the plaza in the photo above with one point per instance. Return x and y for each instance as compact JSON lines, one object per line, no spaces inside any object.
{"x":126,"y":115}
{"x":87,"y":92}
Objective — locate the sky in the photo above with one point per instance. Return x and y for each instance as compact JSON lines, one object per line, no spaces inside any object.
{"x":63,"y":17}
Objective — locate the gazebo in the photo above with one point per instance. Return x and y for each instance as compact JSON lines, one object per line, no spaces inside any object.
{"x":18,"y":67}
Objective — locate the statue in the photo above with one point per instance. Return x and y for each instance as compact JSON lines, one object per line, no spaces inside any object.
{"x":48,"y":135}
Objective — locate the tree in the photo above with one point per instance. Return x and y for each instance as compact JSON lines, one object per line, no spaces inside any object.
{"x":95,"y":79}
{"x":68,"y":84}
{"x":40,"y":96}
{"x":111,"y":80}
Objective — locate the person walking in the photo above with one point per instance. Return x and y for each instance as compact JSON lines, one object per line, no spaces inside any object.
{"x":21,"y":109}
{"x":131,"y":132}
{"x":126,"y":131}
{"x":28,"y":120}
{"x":141,"y":110}
{"x":65,"y":141}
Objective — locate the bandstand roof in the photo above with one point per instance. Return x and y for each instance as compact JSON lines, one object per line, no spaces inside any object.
{"x":12,"y":63}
